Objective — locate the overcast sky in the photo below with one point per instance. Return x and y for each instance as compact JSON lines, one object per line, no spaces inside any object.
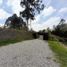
{"x":51,"y":15}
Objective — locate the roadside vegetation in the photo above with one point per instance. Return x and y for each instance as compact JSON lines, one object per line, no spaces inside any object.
{"x":57,"y":39}
{"x":60,"y":31}
{"x":60,"y":52}
{"x":58,"y":42}
{"x":8,"y":36}
{"x":16,"y":27}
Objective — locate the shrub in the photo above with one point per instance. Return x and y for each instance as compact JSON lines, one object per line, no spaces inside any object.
{"x":53,"y":37}
{"x":35,"y":35}
{"x":45,"y":36}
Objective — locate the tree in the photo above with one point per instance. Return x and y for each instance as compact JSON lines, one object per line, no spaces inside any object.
{"x":62,"y":21}
{"x":60,"y":28}
{"x":14,"y":22}
{"x":60,"y":25}
{"x":31,"y":8}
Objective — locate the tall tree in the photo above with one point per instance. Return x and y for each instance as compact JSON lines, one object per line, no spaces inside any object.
{"x":62,"y":21}
{"x":32,"y":7}
{"x":60,"y":28}
{"x":15,"y":22}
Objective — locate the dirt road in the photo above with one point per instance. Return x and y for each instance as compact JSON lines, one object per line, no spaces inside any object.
{"x":32,"y":53}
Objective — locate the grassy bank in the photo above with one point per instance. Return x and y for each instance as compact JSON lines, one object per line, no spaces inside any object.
{"x":9,"y":36}
{"x":60,"y":52}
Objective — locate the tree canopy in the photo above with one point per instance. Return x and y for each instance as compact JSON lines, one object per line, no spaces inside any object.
{"x":31,"y":8}
{"x":14,"y":22}
{"x":61,"y":29}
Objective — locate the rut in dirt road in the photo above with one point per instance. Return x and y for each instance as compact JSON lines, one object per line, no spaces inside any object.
{"x":32,"y":53}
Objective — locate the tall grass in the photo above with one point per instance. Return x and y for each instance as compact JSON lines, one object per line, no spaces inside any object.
{"x":60,"y":52}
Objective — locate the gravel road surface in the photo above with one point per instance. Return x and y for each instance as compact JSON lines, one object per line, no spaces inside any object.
{"x":32,"y":53}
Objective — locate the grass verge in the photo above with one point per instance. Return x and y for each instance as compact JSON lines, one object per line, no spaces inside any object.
{"x":11,"y":41}
{"x":60,"y":52}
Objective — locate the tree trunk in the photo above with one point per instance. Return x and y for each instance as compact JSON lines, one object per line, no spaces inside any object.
{"x":30,"y":24}
{"x":27,"y":24}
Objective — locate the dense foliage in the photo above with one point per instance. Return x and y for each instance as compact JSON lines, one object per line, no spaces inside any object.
{"x":31,"y":8}
{"x":61,"y":29}
{"x":15,"y":22}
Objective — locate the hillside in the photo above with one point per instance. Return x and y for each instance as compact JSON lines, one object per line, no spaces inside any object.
{"x":8,"y":36}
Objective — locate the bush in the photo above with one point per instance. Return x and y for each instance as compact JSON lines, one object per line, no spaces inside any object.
{"x":57,"y":38}
{"x":53,"y":37}
{"x":45,"y":36}
{"x":35,"y":35}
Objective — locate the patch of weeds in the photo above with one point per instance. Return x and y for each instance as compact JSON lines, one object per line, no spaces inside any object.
{"x":60,"y":52}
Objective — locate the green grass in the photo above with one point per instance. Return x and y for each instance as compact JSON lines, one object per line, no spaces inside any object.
{"x":11,"y":41}
{"x":6,"y":42}
{"x":60,"y":52}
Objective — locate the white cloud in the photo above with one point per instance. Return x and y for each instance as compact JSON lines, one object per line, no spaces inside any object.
{"x":3,"y":14}
{"x":36,"y":26}
{"x":47,"y":2}
{"x":63,"y":10}
{"x":1,"y":25}
{"x":15,"y":4}
{"x":1,"y":1}
{"x":45,"y":13}
{"x":48,"y":11}
{"x":49,"y":23}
